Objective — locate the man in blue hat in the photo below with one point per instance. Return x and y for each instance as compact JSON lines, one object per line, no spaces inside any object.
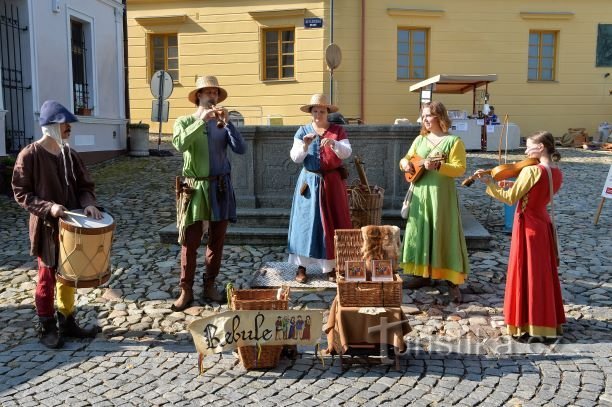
{"x":48,"y":178}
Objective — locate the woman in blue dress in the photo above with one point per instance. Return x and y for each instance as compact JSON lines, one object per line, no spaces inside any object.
{"x":320,"y":202}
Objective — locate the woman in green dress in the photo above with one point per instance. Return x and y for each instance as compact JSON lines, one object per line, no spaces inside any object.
{"x":434,"y":246}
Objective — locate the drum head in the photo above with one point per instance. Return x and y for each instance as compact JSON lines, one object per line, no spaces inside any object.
{"x":83,"y":221}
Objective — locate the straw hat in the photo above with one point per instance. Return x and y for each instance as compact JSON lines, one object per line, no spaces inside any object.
{"x":207,"y":82}
{"x":319,"y":99}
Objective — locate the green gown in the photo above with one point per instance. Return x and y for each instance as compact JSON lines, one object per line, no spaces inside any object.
{"x":434,"y":245}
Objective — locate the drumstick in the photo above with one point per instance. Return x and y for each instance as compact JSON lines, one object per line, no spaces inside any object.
{"x":80,"y":215}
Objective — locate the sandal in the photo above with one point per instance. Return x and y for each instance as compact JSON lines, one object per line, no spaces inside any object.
{"x":300,"y":275}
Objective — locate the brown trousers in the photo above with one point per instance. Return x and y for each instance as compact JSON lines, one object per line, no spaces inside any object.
{"x":214,"y":251}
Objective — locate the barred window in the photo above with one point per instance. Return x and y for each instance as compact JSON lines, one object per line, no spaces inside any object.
{"x":81,"y":59}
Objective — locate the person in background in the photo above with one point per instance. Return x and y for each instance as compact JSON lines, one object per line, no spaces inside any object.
{"x":320,"y":202}
{"x":207,"y":194}
{"x":50,"y":178}
{"x":434,"y":245}
{"x":533,"y":306}
{"x":491,"y":118}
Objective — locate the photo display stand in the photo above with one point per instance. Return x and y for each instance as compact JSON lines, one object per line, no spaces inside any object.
{"x":605,"y":194}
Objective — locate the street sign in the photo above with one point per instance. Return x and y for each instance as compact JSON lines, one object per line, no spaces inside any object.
{"x":333,"y":56}
{"x":161,"y":88}
{"x":158,"y":115}
{"x":161,"y":85}
{"x":313,"y":22}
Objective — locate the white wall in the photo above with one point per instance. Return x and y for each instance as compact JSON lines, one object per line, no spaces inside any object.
{"x":105,"y":130}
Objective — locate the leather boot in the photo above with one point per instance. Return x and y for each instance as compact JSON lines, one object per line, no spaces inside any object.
{"x":414,"y":282}
{"x":454,"y":292}
{"x":68,"y":327}
{"x":331,"y":277}
{"x":300,"y":275}
{"x":210,"y":293}
{"x":184,"y":300}
{"x":48,"y":333}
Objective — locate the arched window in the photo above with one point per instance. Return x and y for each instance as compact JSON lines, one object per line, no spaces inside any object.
{"x":236,"y":118}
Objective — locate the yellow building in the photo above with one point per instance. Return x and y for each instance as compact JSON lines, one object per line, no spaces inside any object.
{"x":552,"y":59}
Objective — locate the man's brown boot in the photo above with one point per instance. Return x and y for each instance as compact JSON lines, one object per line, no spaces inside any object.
{"x":184,"y":300}
{"x":210,"y":293}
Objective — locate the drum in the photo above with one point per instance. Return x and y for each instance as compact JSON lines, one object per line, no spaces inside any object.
{"x":84,"y":253}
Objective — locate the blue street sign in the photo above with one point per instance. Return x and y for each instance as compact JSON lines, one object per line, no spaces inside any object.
{"x":314,"y":22}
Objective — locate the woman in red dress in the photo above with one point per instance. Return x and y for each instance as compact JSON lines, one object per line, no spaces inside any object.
{"x":533,"y":305}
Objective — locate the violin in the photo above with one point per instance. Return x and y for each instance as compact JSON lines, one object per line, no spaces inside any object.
{"x":504,"y":171}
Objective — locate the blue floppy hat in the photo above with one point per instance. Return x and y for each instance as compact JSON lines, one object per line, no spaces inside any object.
{"x":53,"y":111}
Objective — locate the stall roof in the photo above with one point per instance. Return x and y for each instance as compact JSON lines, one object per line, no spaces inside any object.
{"x":454,"y":83}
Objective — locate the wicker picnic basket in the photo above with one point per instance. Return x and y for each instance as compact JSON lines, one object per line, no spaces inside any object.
{"x":348,"y":244}
{"x":252,"y":357}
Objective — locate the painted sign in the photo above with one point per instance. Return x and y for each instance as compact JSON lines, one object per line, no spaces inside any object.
{"x":313,"y":22}
{"x":607,"y":189}
{"x":229,"y":330}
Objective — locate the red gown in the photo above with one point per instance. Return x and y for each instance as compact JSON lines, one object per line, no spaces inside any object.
{"x":533,"y":302}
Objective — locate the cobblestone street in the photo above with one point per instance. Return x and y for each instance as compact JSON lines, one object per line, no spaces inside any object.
{"x":457,"y":355}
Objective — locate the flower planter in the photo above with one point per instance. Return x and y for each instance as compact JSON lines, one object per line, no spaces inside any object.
{"x":139,"y":139}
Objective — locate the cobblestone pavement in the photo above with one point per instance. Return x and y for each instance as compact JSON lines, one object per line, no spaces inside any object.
{"x":458,"y":355}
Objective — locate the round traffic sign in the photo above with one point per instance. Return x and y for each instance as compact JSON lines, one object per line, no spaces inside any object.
{"x":333,"y":56}
{"x":161,"y":85}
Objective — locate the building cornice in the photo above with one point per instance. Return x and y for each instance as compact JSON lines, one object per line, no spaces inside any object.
{"x":546,"y":15}
{"x":161,"y":20}
{"x":294,"y":12}
{"x":414,"y":12}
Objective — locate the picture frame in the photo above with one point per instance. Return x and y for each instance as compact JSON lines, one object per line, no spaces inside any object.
{"x":355,"y":270}
{"x":382,"y":270}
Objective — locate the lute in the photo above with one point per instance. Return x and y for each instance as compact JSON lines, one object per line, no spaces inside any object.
{"x":419,"y":167}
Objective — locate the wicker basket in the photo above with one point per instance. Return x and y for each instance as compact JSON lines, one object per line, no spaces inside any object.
{"x":370,"y":293}
{"x":365,"y":207}
{"x":348,"y":244}
{"x":260,"y":299}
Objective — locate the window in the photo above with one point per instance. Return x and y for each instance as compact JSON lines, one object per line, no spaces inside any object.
{"x":237,"y":118}
{"x":412,"y":53}
{"x":164,"y":54}
{"x":279,"y":57}
{"x":542,"y":52}
{"x":81,"y":71}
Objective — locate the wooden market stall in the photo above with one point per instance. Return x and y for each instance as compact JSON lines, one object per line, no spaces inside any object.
{"x":472,"y":128}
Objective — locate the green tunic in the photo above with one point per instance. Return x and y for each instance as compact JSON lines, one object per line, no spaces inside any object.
{"x":204,"y":148}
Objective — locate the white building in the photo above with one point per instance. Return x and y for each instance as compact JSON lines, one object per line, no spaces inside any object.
{"x":71,"y":51}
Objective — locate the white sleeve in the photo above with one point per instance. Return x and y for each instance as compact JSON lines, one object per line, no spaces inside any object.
{"x":343,"y":149}
{"x":297,"y":152}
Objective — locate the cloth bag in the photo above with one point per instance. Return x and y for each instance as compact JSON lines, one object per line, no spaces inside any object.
{"x":406,"y":204}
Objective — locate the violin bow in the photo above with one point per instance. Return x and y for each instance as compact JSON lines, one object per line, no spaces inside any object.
{"x":501,"y":137}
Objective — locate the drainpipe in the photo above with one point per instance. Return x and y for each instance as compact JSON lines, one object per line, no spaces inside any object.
{"x":362,"y":81}
{"x":125,"y":62}
{"x":331,"y":41}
